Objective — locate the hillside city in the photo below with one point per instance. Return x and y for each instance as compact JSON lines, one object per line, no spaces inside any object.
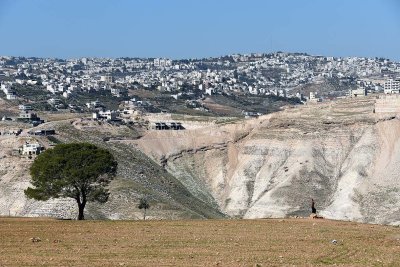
{"x":86,"y":84}
{"x":199,"y":133}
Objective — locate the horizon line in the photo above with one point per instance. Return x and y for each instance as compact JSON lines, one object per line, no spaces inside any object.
{"x":200,"y":58}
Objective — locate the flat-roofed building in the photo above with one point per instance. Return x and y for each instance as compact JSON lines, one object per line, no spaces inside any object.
{"x":391,"y":86}
{"x":32,"y":148}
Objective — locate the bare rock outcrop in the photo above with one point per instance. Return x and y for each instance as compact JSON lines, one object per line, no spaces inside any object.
{"x":340,"y":153}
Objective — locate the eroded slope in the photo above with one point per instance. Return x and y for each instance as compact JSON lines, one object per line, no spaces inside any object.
{"x":137,"y":176}
{"x":339,"y":153}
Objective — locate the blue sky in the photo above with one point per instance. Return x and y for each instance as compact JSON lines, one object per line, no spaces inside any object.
{"x":198,"y":28}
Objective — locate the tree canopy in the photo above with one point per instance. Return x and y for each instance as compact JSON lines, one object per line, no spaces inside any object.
{"x":80,"y":171}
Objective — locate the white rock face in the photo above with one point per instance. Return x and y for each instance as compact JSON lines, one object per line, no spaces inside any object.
{"x":340,"y":154}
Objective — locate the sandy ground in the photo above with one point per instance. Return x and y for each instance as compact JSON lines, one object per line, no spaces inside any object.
{"x":280,"y":242}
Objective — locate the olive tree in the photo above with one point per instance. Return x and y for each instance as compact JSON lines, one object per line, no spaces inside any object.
{"x":80,"y":171}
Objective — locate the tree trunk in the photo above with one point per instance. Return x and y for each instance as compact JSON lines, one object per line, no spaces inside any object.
{"x":81,"y":207}
{"x":144,"y":214}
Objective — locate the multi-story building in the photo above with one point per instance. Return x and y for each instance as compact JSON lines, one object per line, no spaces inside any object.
{"x":106,"y":78}
{"x":32,"y":149}
{"x":108,"y":115}
{"x":391,"y":86}
{"x":26,"y":115}
{"x":314,"y":97}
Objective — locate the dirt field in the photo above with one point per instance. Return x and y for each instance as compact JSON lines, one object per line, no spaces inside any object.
{"x":289,"y":242}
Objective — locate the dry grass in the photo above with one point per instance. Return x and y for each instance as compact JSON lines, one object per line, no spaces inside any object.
{"x":60,"y":116}
{"x":299,"y":242}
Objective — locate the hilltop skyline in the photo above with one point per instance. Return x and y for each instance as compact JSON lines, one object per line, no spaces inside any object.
{"x":180,"y":30}
{"x":198,"y":58}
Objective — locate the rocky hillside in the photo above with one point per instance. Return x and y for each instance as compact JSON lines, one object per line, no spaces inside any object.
{"x":138,"y":176}
{"x":339,"y":153}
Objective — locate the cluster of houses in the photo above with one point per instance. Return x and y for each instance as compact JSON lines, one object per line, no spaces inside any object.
{"x":31,"y":147}
{"x":27,"y":115}
{"x":390,"y":86}
{"x":256,"y":74}
{"x":358,"y":92}
{"x":274,"y":74}
{"x":384,"y":104}
{"x":66,"y":86}
{"x":129,"y":111}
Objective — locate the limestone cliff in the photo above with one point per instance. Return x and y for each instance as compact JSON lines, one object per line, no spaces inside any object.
{"x":341,"y":154}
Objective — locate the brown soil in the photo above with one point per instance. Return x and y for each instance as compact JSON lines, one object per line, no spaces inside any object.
{"x":220,"y":109}
{"x":299,"y":242}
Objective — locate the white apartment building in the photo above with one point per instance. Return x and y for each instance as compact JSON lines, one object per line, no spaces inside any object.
{"x":314,"y":97}
{"x":162,"y":62}
{"x":106,"y":78}
{"x":32,"y":149}
{"x":391,"y":86}
{"x":109,"y":115}
{"x":11,"y":96}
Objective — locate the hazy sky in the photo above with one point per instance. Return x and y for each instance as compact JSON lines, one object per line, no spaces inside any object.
{"x":198,"y":28}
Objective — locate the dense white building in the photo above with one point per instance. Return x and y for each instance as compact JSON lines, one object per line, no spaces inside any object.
{"x":108,"y":115}
{"x":391,"y":86}
{"x":32,"y":148}
{"x":106,"y":78}
{"x":162,"y":62}
{"x":11,"y":96}
{"x":314,"y":97}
